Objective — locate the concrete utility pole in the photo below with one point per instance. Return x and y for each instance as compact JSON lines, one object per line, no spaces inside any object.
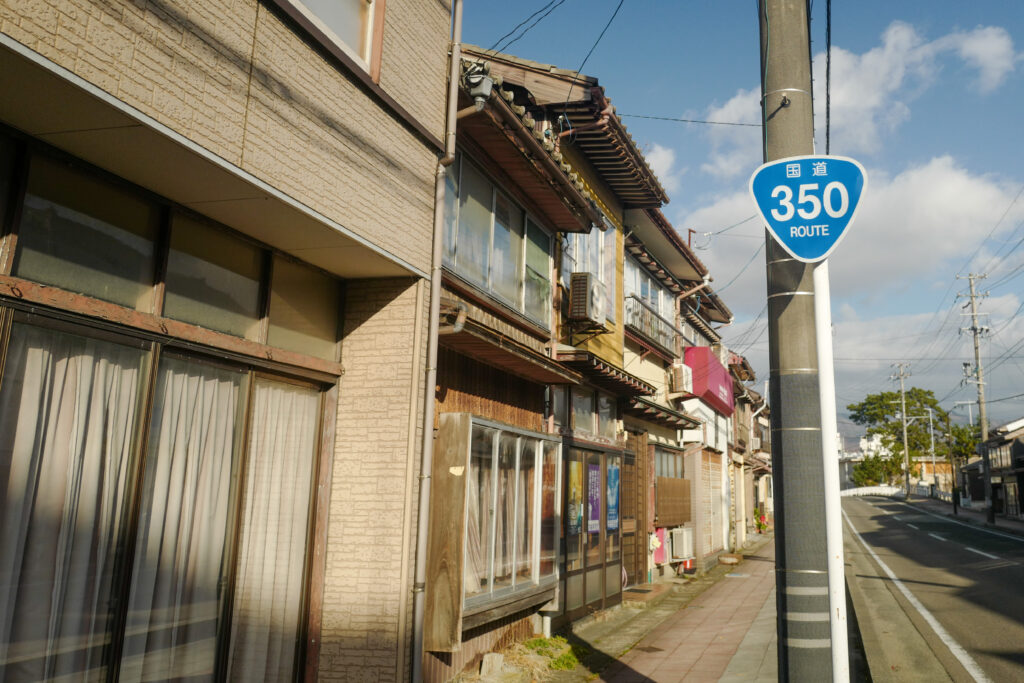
{"x":806,"y":642}
{"x":903,"y":418}
{"x":977,"y":331}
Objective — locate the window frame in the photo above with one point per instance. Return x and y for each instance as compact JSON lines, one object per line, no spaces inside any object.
{"x":370,"y":61}
{"x":24,"y":294}
{"x":484,"y":600}
{"x":450,"y":262}
{"x":154,"y":350}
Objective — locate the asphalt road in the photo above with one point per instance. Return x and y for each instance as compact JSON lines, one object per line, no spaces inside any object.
{"x":962,"y":587}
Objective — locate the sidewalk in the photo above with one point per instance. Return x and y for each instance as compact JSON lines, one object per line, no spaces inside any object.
{"x":726,"y":633}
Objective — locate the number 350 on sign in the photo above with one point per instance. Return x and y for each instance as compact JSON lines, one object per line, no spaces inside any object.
{"x":808,"y":202}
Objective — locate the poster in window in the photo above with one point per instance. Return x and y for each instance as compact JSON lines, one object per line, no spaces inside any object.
{"x":613,"y":497}
{"x":594,"y":498}
{"x":575,"y":498}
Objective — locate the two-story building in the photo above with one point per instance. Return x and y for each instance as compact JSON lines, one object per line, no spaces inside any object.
{"x":214,"y":251}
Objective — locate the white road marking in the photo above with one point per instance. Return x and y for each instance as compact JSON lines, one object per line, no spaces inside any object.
{"x":936,"y":536}
{"x":991,"y":557}
{"x":1011,"y":537}
{"x":954,"y":647}
{"x":913,"y":527}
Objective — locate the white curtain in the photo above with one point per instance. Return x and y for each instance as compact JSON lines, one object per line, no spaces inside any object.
{"x":275,"y":521}
{"x":67,"y":414}
{"x":176,"y":586}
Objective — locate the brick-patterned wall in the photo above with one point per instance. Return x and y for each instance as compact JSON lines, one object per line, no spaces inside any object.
{"x":236,"y":80}
{"x":366,"y":626}
{"x":411,"y":64}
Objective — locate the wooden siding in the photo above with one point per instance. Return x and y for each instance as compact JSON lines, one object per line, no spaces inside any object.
{"x":673,"y":508}
{"x":469,"y":386}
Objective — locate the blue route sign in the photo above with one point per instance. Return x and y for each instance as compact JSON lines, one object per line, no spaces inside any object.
{"x":808,"y":202}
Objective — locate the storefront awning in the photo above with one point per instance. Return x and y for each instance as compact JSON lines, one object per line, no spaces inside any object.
{"x":646,"y":409}
{"x":491,"y":347}
{"x":603,"y":374}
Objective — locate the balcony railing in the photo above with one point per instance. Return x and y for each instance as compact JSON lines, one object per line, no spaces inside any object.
{"x":645,"y":321}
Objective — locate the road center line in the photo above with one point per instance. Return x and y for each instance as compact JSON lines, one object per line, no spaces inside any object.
{"x":937,"y":537}
{"x":913,"y":527}
{"x":954,"y":647}
{"x":991,"y":557}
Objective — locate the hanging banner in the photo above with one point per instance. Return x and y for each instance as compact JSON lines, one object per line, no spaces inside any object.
{"x":594,"y":498}
{"x":613,"y":497}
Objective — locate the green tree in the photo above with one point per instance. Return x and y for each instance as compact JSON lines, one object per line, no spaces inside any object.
{"x":880,"y":413}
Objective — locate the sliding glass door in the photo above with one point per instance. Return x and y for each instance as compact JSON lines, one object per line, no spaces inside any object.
{"x":154,"y":525}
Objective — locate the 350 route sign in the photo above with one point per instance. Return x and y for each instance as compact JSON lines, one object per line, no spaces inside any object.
{"x":808,"y":202}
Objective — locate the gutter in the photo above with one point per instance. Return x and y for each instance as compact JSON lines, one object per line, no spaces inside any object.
{"x":430,"y":372}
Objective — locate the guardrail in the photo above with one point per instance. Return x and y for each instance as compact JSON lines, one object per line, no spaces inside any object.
{"x":886,"y":490}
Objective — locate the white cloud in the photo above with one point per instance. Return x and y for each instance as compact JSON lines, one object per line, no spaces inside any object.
{"x":989,"y":49}
{"x":871,"y":93}
{"x":662,"y":161}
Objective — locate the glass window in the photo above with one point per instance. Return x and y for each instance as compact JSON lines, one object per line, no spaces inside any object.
{"x":213,"y":279}
{"x":507,"y":252}
{"x":472,"y":252}
{"x":479,"y":509}
{"x":559,"y":406}
{"x":595,"y":498}
{"x":504,"y":511}
{"x":610,"y":268}
{"x":489,"y":241}
{"x":511,"y":539}
{"x":548,"y":511}
{"x":84,"y":235}
{"x":68,"y":409}
{"x":175,"y":601}
{"x":348,"y":20}
{"x":305,"y":307}
{"x":451,"y":210}
{"x":526,"y":509}
{"x":6,"y":175}
{"x":537,"y":295}
{"x":606,"y":415}
{"x":217,"y":523}
{"x":583,"y":409}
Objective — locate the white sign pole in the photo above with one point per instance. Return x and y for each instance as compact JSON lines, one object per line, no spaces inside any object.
{"x":833,"y":512}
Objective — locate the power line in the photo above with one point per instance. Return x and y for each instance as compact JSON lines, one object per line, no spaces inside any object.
{"x":550,"y":7}
{"x":592,"y":48}
{"x":742,"y":270}
{"x":707,"y":123}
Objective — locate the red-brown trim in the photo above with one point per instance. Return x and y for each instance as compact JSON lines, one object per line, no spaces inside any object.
{"x":334,"y":53}
{"x":377,"y":40}
{"x":318,"y":557}
{"x":164,"y":329}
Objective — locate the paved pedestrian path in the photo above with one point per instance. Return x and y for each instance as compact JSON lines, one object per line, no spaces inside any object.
{"x":726,"y":633}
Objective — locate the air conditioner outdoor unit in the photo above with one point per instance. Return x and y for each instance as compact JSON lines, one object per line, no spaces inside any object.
{"x":682,"y":543}
{"x":755,"y":443}
{"x":681,"y":378}
{"x":586,"y":299}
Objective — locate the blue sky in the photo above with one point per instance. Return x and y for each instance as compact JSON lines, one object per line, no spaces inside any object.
{"x":928,"y":96}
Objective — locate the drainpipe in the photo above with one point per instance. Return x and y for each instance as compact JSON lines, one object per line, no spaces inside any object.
{"x":430,"y":379}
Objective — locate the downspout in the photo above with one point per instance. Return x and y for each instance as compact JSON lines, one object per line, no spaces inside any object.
{"x":430,"y":379}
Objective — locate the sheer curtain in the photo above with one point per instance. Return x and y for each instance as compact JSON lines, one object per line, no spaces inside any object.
{"x":67,"y":413}
{"x":176,"y":587}
{"x":275,"y":521}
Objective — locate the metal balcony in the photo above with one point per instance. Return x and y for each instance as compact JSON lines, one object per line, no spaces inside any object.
{"x":642,"y":319}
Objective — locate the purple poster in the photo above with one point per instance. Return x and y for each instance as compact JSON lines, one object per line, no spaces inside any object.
{"x":594,"y":498}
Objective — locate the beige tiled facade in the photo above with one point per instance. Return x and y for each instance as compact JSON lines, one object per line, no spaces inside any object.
{"x":243,"y":87}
